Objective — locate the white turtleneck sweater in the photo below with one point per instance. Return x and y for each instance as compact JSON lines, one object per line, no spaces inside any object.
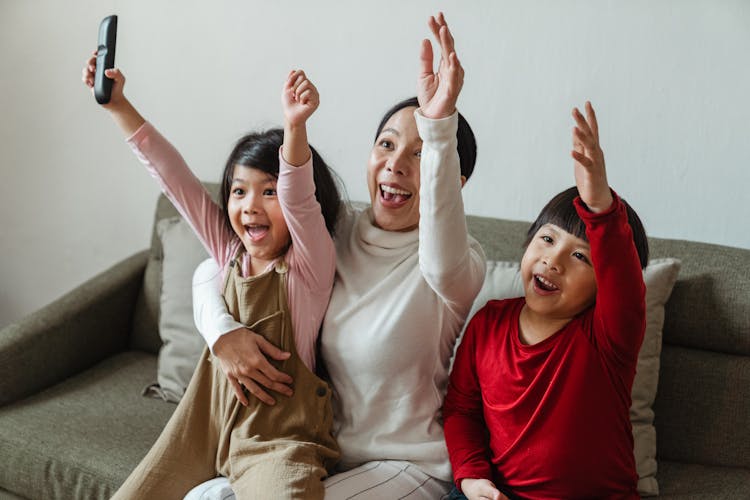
{"x":399,"y":302}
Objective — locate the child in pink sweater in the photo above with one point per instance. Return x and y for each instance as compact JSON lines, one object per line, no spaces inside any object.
{"x":271,"y":235}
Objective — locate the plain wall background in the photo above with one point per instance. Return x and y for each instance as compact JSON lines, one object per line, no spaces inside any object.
{"x":669,"y":79}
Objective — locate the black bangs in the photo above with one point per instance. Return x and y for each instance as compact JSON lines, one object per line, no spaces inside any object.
{"x":561,"y":212}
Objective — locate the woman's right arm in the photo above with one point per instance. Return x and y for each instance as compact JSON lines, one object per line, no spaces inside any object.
{"x":242,"y":353}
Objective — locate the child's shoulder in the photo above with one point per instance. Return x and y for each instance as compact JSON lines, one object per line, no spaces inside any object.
{"x":497,"y":311}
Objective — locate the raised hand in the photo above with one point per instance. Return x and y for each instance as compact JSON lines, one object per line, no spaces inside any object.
{"x":438,"y":92}
{"x":88,"y":74}
{"x":590,"y":174}
{"x":299,"y":98}
{"x":123,"y":113}
{"x":481,"y":489}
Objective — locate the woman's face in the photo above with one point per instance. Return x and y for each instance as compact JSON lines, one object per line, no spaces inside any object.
{"x":393,"y":173}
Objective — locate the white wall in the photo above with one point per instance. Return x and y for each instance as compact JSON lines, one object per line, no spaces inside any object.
{"x":670,"y":81}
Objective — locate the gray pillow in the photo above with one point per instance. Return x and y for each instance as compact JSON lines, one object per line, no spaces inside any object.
{"x":181,"y":342}
{"x":503,"y":281}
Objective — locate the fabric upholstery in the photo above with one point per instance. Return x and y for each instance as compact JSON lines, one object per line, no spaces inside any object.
{"x":70,"y":331}
{"x":700,"y":482}
{"x":81,"y":438}
{"x":703,"y":407}
{"x":145,"y":334}
{"x":182,"y":344}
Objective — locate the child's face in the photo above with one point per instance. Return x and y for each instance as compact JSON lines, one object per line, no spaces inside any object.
{"x":557,"y":274}
{"x":255,"y":213}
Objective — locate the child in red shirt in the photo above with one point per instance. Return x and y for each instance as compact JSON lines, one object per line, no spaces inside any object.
{"x":539,"y":397}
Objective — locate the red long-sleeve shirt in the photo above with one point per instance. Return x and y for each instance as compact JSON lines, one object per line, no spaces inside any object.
{"x":551,"y":420}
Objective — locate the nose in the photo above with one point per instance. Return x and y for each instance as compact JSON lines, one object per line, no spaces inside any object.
{"x":397,"y":163}
{"x":252,"y":204}
{"x":552,"y":259}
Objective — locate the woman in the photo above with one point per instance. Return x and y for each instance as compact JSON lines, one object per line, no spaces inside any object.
{"x":407,"y":273}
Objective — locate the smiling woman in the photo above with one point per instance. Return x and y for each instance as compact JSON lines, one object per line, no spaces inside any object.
{"x":396,"y":310}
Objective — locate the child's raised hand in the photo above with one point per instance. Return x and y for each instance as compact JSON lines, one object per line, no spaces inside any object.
{"x":590,"y":174}
{"x":118,"y":84}
{"x":481,"y":489}
{"x":438,"y":92}
{"x":299,"y":98}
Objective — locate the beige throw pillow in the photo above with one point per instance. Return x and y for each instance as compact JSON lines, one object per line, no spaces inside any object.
{"x":503,"y":281}
{"x":182,"y":344}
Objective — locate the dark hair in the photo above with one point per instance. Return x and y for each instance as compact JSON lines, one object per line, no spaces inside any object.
{"x":260,"y":150}
{"x":561,"y":212}
{"x":467,"y":143}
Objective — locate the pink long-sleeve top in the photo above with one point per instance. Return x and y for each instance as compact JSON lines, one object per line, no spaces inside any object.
{"x":311,"y":257}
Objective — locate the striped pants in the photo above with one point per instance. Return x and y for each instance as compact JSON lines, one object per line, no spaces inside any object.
{"x":388,"y":479}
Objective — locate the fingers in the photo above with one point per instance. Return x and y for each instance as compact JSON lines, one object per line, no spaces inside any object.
{"x":256,"y":391}
{"x":585,"y":138}
{"x":301,"y":88}
{"x":271,"y":350}
{"x":442,"y":33}
{"x":591,"y":115}
{"x":237,"y":388}
{"x":425,"y":59}
{"x":89,"y":70}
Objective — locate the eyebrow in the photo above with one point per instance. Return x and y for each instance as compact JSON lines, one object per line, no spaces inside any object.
{"x":391,"y":130}
{"x":556,"y":230}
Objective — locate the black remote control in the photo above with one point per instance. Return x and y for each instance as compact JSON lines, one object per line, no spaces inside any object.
{"x":105,"y":58}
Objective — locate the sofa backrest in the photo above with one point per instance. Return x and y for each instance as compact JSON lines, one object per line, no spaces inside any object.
{"x":703,"y":402}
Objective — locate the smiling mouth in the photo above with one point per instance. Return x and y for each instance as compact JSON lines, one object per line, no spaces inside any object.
{"x":393,"y":195}
{"x":256,"y":232}
{"x":542,"y":283}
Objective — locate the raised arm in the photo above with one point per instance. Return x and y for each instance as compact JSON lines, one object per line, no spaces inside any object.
{"x":165,"y":164}
{"x":452,"y":262}
{"x":313,"y":254}
{"x":619,"y":312}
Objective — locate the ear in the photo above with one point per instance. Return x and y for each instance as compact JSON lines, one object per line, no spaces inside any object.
{"x":463,"y":181}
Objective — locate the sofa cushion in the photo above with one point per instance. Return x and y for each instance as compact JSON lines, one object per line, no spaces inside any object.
{"x":145,"y":334}
{"x":699,"y":482}
{"x":503,"y":280}
{"x":703,"y":407}
{"x":82,"y":437}
{"x":182,"y":344}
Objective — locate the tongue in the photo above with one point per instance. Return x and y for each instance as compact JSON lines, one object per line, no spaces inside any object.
{"x":257,"y":232}
{"x":396,"y":198}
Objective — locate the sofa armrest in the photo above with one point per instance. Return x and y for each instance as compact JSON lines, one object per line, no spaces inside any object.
{"x":83,"y":327}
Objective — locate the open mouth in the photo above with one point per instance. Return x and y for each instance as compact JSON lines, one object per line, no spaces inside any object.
{"x":393,"y":196}
{"x":543,"y":284}
{"x":256,"y":231}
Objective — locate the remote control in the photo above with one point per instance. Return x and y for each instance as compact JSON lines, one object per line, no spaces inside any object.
{"x":105,"y":59}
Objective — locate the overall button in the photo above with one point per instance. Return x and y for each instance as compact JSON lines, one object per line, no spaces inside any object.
{"x":322,"y":391}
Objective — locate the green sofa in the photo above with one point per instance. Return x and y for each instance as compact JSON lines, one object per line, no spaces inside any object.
{"x":73,"y":422}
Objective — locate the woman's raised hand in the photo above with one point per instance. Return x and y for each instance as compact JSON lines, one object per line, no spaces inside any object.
{"x":438,"y":92}
{"x":242,"y":356}
{"x":590,"y":174}
{"x":299,"y":98}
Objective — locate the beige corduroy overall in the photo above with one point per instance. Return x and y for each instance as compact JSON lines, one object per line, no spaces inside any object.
{"x":275,"y":452}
